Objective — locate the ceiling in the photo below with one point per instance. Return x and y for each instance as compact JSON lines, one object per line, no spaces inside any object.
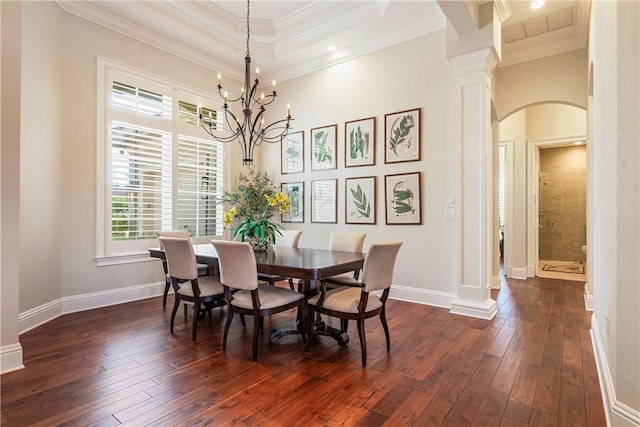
{"x":290,"y":38}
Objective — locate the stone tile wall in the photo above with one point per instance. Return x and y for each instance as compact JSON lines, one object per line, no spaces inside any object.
{"x":563,"y":203}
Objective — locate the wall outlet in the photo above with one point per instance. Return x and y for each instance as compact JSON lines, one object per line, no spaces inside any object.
{"x":606,"y":325}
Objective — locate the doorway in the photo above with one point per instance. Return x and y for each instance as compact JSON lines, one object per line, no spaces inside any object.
{"x":561,"y":209}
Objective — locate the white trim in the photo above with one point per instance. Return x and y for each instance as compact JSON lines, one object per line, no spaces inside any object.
{"x":508,"y":244}
{"x":517,"y":273}
{"x":131,"y":258}
{"x":40,"y":315}
{"x":486,"y":310}
{"x":495,"y":282}
{"x":10,"y":358}
{"x":617,"y":413}
{"x":589,"y":299}
{"x":422,"y":296}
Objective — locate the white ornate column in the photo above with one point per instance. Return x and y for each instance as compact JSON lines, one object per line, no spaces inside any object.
{"x":475,"y":142}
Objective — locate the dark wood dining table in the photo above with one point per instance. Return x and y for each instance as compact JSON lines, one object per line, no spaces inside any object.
{"x":307,"y":264}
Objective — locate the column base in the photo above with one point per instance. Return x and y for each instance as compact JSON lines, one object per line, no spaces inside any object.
{"x":480,"y":310}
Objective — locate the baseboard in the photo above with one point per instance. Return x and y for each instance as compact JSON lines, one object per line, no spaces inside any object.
{"x":422,"y":296}
{"x":531,"y":271}
{"x":519,"y":273}
{"x":589,"y":300}
{"x":495,"y":282}
{"x":39,"y":315}
{"x":10,"y":358}
{"x":618,"y":414}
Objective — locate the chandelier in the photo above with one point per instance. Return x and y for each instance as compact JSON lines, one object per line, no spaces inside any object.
{"x":248,"y":127}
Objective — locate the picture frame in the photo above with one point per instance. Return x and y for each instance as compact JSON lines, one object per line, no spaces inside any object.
{"x":323,"y":148}
{"x":292,"y":153}
{"x":402,"y":136}
{"x":360,"y":142}
{"x":403,"y":198}
{"x":295,"y":191}
{"x":324,"y":197}
{"x":360,"y":200}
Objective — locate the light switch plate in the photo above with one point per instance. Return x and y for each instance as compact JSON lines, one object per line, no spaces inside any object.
{"x":451,"y":202}
{"x":450,"y":214}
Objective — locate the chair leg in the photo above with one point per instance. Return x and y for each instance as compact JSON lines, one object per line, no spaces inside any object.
{"x":227,"y":324}
{"x":242,"y":321}
{"x":291,"y":284}
{"x":167,"y":285}
{"x":363,"y":342}
{"x":196,"y":315}
{"x":176,"y":304}
{"x":344,"y":324}
{"x":256,"y":327}
{"x":383,"y":319}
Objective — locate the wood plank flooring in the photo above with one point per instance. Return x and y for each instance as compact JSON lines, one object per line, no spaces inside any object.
{"x":533,"y":364}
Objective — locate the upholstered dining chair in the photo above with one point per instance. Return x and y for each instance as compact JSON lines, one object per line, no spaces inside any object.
{"x":357,"y":299}
{"x":187,"y":285}
{"x":347,"y":242}
{"x":203,"y":269}
{"x":238,"y":271}
{"x":289,"y":238}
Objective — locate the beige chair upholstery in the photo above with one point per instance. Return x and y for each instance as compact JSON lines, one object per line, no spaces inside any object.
{"x":357,"y":300}
{"x":238,"y":271}
{"x":347,"y":242}
{"x":203,"y":270}
{"x":290,"y":239}
{"x":187,"y":285}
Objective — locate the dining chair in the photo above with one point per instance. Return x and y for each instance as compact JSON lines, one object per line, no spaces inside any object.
{"x":238,"y":271}
{"x":290,"y":239}
{"x":203,"y":270}
{"x":187,"y":284}
{"x":357,"y":299}
{"x":347,"y":242}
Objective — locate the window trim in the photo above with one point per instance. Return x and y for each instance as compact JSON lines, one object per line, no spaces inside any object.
{"x":102,"y":255}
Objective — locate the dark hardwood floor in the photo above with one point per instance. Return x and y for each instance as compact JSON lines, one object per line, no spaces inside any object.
{"x":533,"y":364}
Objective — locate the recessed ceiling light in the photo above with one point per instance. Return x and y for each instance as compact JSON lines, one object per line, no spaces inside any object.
{"x":537,"y":4}
{"x":331,"y":48}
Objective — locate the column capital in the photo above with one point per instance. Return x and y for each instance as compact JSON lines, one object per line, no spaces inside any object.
{"x":479,"y":60}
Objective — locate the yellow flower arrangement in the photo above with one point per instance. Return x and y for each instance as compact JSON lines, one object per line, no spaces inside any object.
{"x":254,"y":201}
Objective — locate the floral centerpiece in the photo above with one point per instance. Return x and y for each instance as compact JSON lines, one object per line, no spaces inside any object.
{"x":254,"y":201}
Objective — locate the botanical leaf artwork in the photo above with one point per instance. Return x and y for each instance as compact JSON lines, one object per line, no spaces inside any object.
{"x":358,"y":143}
{"x":322,"y":151}
{"x":402,"y":199}
{"x":400,"y":130}
{"x":293,"y":152}
{"x":360,"y":201}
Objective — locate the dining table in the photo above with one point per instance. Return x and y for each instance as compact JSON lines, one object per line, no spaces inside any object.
{"x":309,"y":265}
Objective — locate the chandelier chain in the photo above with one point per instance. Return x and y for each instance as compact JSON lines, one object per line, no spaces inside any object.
{"x":248,"y":54}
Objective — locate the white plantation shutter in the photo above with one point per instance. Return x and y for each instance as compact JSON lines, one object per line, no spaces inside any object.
{"x":199,"y":185}
{"x":161,"y":172}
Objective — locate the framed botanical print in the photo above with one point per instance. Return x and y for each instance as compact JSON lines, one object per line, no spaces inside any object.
{"x":402,"y":136}
{"x":295,"y":191}
{"x":360,"y":200}
{"x":360,"y":142}
{"x":324,"y":206}
{"x":323,"y":152}
{"x":403,"y":198}
{"x":292,"y":153}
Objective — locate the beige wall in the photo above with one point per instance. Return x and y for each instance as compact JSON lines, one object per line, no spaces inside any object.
{"x":615,"y":221}
{"x":410,"y":75}
{"x":559,"y":78}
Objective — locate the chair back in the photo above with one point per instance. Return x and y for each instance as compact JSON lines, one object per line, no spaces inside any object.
{"x":377,"y":272}
{"x":289,"y":238}
{"x":237,"y":263}
{"x":347,"y":242}
{"x":181,"y":259}
{"x":183,"y":234}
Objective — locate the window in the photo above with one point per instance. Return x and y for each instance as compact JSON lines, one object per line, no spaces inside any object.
{"x":159,"y":170}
